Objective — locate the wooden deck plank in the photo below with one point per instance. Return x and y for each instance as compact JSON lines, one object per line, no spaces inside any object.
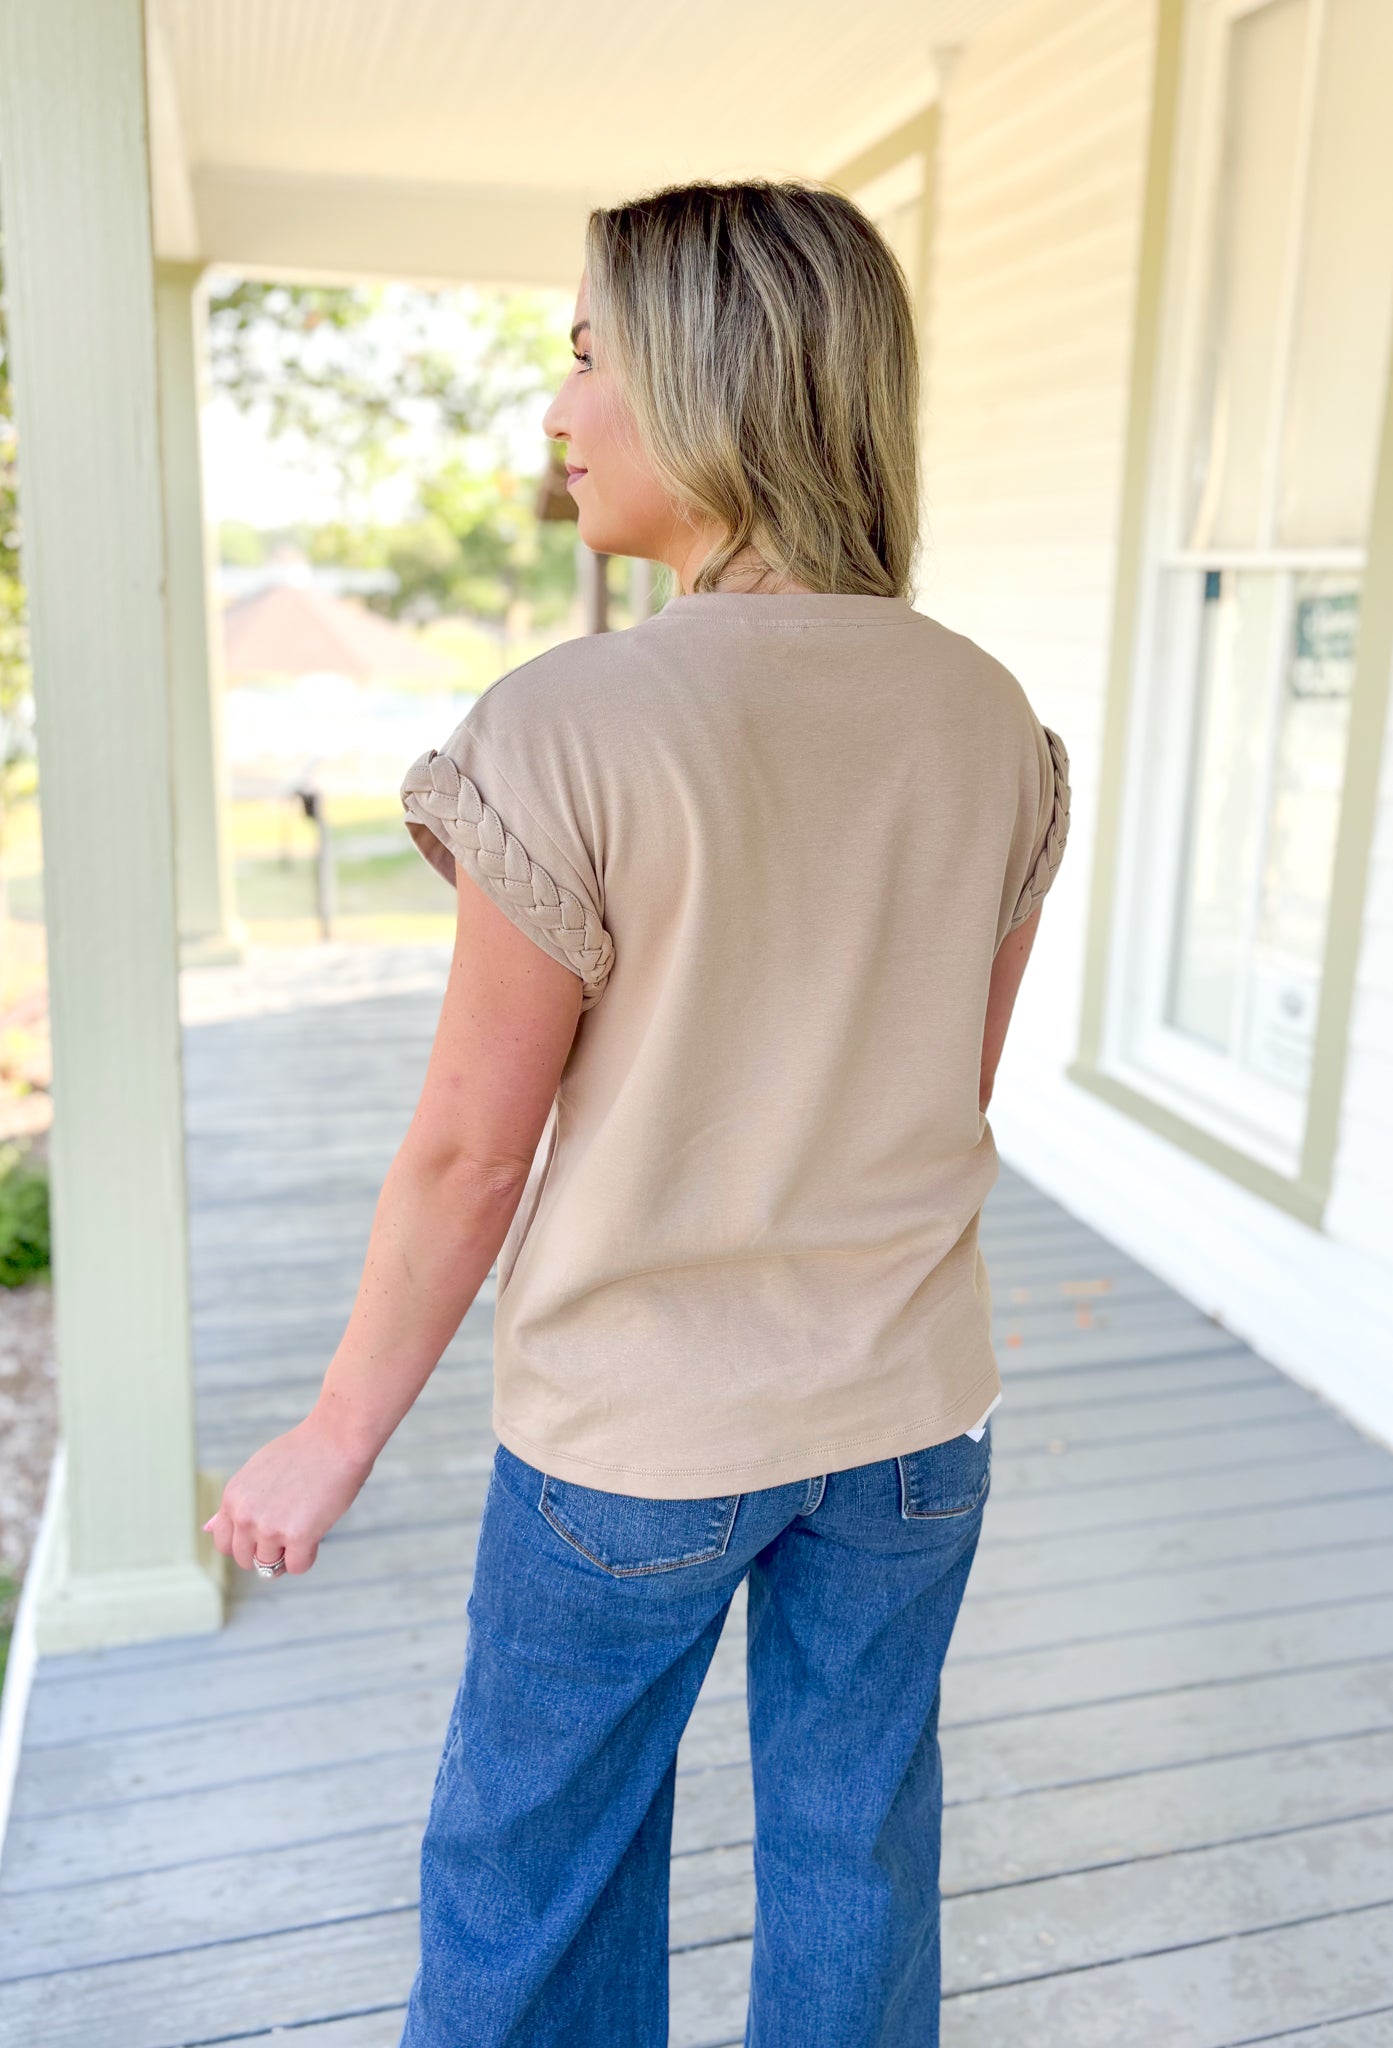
{"x":414,"y":1571}
{"x":1163,"y":1331}
{"x":714,"y":1809}
{"x":344,"y":1608}
{"x":1290,"y":1776}
{"x":1023,"y":1927}
{"x":1197,"y":1806}
{"x":393,"y":1705}
{"x":368,"y":1872}
{"x":339,"y":1596}
{"x":278,"y":1741}
{"x":391,"y":1617}
{"x":1157,"y":1419}
{"x":120,"y":1918}
{"x":1114,"y":1393}
{"x":1080,"y":1468}
{"x":168,"y":1833}
{"x":1049,"y":1494}
{"x":362,"y":2030}
{"x":1326,"y":1475}
{"x":1209,"y":1995}
{"x":708,"y":1991}
{"x":1162,"y":1660}
{"x":1160,"y":1731}
{"x":278,"y":1980}
{"x":1374,"y":2030}
{"x":1240,"y":1534}
{"x":1227,"y":1591}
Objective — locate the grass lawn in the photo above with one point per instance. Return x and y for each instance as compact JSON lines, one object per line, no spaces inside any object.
{"x":385,"y":891}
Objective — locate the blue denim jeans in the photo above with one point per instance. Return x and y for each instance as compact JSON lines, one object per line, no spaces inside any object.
{"x":593,"y":1618}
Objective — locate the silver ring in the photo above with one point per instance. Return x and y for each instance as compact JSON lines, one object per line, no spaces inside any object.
{"x":269,"y":1571}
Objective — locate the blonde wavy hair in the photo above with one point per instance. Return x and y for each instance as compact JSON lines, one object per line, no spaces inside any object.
{"x":763,"y":335}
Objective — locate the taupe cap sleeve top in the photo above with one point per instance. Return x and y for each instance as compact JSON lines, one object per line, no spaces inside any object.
{"x":779,"y":840}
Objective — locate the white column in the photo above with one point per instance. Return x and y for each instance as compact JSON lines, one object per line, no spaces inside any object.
{"x":592,"y":588}
{"x":208,"y":926}
{"x":640,"y":588}
{"x":129,"y":1562}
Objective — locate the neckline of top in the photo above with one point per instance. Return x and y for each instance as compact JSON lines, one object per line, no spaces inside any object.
{"x":790,"y":607}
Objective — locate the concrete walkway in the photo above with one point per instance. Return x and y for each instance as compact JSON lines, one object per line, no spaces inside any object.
{"x":1168,"y":1710}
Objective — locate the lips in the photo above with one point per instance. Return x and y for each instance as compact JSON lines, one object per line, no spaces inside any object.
{"x":572,"y":472}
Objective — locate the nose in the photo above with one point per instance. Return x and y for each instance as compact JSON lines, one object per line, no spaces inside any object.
{"x":552,"y":423}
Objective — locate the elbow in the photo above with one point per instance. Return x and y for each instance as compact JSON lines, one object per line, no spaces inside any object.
{"x":487,"y":1183}
{"x":472,"y":1182}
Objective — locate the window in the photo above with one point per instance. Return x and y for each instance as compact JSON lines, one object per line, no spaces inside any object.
{"x":1273,"y":374}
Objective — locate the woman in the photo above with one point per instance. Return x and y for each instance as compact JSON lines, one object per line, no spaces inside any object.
{"x":744,"y":897}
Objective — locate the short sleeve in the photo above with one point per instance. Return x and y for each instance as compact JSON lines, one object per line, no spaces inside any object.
{"x":525,"y":851}
{"x":1051,"y":826}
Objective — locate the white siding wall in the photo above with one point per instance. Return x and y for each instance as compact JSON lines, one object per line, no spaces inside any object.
{"x":1034,"y":264}
{"x":1034,"y":269}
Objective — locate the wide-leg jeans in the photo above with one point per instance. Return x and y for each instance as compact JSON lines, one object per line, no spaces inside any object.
{"x":592,"y":1622}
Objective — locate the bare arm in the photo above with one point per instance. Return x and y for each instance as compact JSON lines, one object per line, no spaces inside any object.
{"x":506,"y":1026}
{"x":1007,"y":970}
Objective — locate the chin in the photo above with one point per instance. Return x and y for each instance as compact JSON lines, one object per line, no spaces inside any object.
{"x":605,"y":536}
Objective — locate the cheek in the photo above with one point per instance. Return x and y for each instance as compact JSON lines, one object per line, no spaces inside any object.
{"x":594,"y":430}
{"x":616,"y":451}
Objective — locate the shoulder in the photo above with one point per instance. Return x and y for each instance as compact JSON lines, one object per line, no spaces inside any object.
{"x":578,"y":686}
{"x":970,"y":662}
{"x":1008,"y":714}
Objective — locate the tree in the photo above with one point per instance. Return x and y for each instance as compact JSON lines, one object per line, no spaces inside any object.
{"x":474,"y":546}
{"x":374,"y":381}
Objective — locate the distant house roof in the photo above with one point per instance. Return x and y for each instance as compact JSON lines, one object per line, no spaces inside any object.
{"x":295,"y":630}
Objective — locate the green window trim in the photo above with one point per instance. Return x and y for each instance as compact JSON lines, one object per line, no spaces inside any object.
{"x":1306,"y":1194}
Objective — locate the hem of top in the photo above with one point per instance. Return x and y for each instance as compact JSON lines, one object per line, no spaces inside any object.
{"x":896,"y":1440}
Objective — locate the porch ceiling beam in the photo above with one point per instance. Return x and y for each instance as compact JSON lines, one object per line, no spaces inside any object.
{"x":268,"y":224}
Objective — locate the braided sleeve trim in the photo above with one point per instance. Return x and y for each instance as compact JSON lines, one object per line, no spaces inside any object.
{"x":1056,"y":832}
{"x":438,"y":795}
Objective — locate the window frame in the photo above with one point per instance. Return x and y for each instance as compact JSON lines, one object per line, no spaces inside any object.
{"x":1288,"y":1158}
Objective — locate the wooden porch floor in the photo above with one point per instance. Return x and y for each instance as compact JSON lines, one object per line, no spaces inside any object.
{"x":1168,"y":1709}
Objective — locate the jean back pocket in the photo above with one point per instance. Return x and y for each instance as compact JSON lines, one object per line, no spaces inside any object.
{"x":944,"y":1479}
{"x":628,"y":1537}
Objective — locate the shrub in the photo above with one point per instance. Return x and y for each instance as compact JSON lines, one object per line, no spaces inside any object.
{"x":9,"y":1603}
{"x":24,"y":1228}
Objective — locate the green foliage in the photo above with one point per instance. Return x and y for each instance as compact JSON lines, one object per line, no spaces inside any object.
{"x":9,"y":1604}
{"x":24,"y":1218}
{"x":471,"y":548}
{"x":241,"y":546}
{"x":360,"y":371}
{"x":436,"y":385}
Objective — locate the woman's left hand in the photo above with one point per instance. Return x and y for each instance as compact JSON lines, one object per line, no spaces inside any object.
{"x":287,"y":1497}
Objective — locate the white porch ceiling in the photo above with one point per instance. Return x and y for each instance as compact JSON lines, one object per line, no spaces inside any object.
{"x":460,"y":139}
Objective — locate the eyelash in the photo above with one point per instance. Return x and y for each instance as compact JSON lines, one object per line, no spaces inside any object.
{"x":582,"y":357}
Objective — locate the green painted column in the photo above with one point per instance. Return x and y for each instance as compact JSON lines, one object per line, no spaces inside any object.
{"x":128,"y":1561}
{"x":208,"y":927}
